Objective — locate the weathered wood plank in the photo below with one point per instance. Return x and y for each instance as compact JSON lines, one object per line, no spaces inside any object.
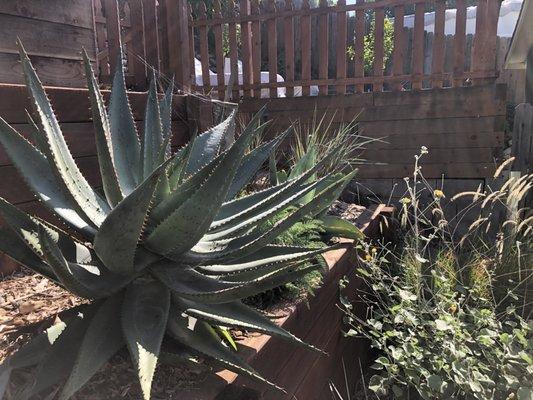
{"x":246,"y":37}
{"x":418,"y":46}
{"x":113,"y":32}
{"x":204,"y":51}
{"x":151,"y":33}
{"x":76,"y":12}
{"x":256,"y":46}
{"x":136,"y":46}
{"x":449,"y":170}
{"x":459,"y":42}
{"x":272,"y":49}
{"x":378,"y":47}
{"x":53,"y":40}
{"x":323,"y":46}
{"x":233,"y":52}
{"x":305,"y":34}
{"x":219,"y":48}
{"x":359,"y":46}
{"x":379,"y":152}
{"x":341,"y":47}
{"x":437,"y":65}
{"x":289,"y":48}
{"x":51,"y":71}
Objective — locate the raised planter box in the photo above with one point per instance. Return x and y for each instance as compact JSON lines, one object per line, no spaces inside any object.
{"x":302,"y":373}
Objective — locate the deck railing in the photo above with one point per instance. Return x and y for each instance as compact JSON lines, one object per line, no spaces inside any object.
{"x":277,"y":48}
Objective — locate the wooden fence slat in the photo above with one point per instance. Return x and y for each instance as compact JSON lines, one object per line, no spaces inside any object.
{"x":379,"y":21}
{"x":191,"y":44}
{"x":272,"y":48}
{"x":219,"y":49}
{"x":418,"y":46}
{"x":399,"y":45}
{"x":204,"y":50}
{"x":137,"y":45}
{"x":246,"y":46}
{"x":256,"y":48}
{"x":305,"y":35}
{"x":233,"y":52}
{"x":113,"y":32}
{"x":437,"y":62}
{"x":359,"y":47}
{"x":459,"y":42}
{"x":289,"y":48}
{"x":151,"y":34}
{"x":341,"y":47}
{"x":177,"y":27}
{"x":164,"y":61}
{"x":323,"y":51}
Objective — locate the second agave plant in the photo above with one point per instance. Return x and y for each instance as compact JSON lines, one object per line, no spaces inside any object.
{"x":165,"y":254}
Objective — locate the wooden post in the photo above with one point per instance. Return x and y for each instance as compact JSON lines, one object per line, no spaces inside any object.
{"x":289,"y":49}
{"x":418,"y":46}
{"x":219,"y":51}
{"x":246,"y":46}
{"x":459,"y":43}
{"x":305,"y":35}
{"x":272,"y":49}
{"x":359,"y":46}
{"x":378,"y":49}
{"x":341,"y":47}
{"x":256,"y":47}
{"x":178,"y":42}
{"x":113,"y":33}
{"x":323,"y":46}
{"x":437,"y":62}
{"x":151,"y":34}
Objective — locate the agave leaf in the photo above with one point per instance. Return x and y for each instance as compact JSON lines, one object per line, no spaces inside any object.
{"x":264,"y":211}
{"x":304,"y":164}
{"x":174,"y":233}
{"x":247,"y":244}
{"x":262,"y":262}
{"x":12,"y":245}
{"x":144,"y":320}
{"x":116,"y":240}
{"x":207,"y":145}
{"x":85,"y":280}
{"x":190,"y":284}
{"x":153,"y":130}
{"x":102,"y":339}
{"x":241,"y":204}
{"x":35,"y":169}
{"x":125,"y":142}
{"x":237,"y":315}
{"x":36,"y":134}
{"x":226,"y":336}
{"x":203,"y":339}
{"x":27,"y":229}
{"x":60,"y":357}
{"x":165,"y":107}
{"x":273,"y":169}
{"x":177,"y":170}
{"x":102,"y":132}
{"x":252,"y":162}
{"x":86,"y":200}
{"x":337,"y":226}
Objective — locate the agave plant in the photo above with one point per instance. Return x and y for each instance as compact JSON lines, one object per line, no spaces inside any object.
{"x":165,"y":254}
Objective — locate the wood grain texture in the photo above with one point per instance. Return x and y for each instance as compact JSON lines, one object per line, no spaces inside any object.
{"x":378,"y":47}
{"x":272,"y":48}
{"x":288,"y":27}
{"x":219,"y":48}
{"x":418,"y":47}
{"x":151,"y":33}
{"x":323,"y":47}
{"x":359,"y":46}
{"x":459,"y":42}
{"x":341,"y":47}
{"x":437,"y":62}
{"x":256,"y":46}
{"x":305,"y":34}
{"x":246,"y":38}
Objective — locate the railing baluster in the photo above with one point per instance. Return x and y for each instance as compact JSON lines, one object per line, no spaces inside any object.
{"x":399,"y":45}
{"x":246,"y":46}
{"x":437,"y":63}
{"x":219,"y":50}
{"x":204,"y":51}
{"x":323,"y":42}
{"x":151,"y":34}
{"x":459,"y":43}
{"x":418,"y":46}
{"x":359,"y":47}
{"x":272,"y":49}
{"x":233,"y":51}
{"x":289,"y":49}
{"x":113,"y":33}
{"x":379,"y":20}
{"x":341,"y":47}
{"x":256,"y":48}
{"x":305,"y":37}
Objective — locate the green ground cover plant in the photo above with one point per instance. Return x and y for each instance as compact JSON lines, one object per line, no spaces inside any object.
{"x":451,"y":319}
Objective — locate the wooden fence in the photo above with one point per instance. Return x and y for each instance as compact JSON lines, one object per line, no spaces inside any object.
{"x":250,"y":44}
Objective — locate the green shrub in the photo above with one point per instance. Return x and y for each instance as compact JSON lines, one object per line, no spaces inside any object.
{"x":449,"y":319}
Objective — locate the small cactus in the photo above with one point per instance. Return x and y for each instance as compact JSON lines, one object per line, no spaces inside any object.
{"x":166,"y":254}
